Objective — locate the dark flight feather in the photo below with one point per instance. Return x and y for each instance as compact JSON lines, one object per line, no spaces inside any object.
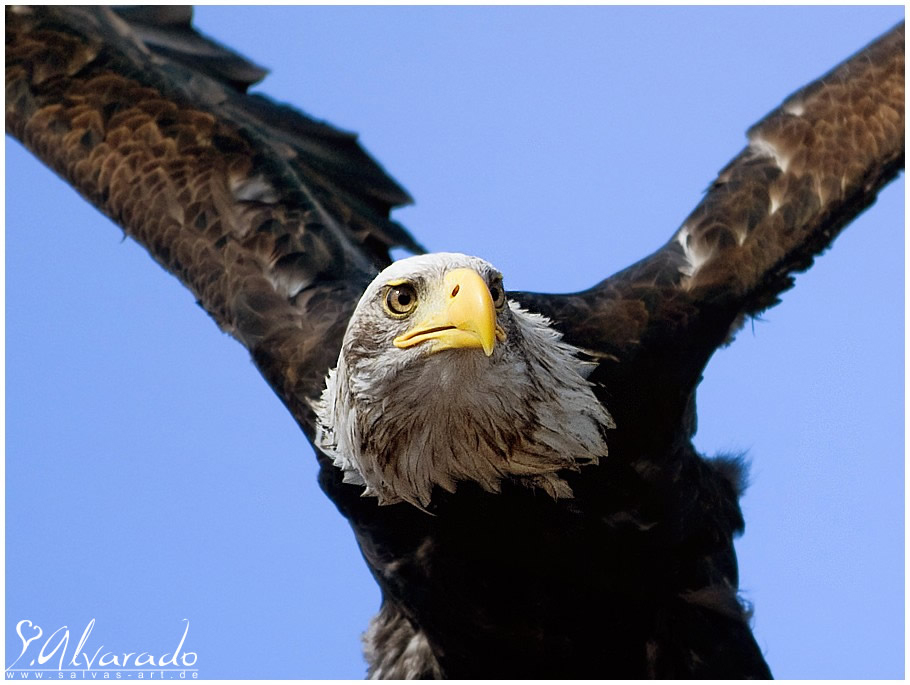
{"x":276,"y":222}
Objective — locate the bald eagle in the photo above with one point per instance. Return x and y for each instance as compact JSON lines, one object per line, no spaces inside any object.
{"x":282,"y":223}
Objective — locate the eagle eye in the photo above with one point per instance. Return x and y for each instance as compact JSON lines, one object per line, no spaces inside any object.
{"x":400,"y":299}
{"x":498,"y":293}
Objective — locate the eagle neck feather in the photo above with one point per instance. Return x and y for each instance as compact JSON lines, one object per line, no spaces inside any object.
{"x":458,"y":416}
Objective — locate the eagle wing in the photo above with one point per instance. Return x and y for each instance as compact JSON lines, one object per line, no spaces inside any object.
{"x":275,"y":221}
{"x":810,"y":167}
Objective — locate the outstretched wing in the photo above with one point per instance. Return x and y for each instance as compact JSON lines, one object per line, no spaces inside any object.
{"x":275,"y":221}
{"x":810,"y":167}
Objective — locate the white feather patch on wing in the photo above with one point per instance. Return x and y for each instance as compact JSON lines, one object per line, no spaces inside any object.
{"x":696,"y":256}
{"x":252,"y":189}
{"x":766,"y":148}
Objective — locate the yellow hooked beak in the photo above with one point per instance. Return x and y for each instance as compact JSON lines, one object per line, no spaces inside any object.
{"x":462,"y":317}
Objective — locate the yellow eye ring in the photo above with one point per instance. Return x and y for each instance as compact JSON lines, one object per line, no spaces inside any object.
{"x":400,"y":300}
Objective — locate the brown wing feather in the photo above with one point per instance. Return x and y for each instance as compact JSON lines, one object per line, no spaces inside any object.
{"x":811,"y":166}
{"x":275,"y":221}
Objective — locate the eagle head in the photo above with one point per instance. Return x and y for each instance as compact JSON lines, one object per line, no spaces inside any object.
{"x":441,"y":379}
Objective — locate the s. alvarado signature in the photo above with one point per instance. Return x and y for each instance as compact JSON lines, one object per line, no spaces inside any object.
{"x":59,"y":640}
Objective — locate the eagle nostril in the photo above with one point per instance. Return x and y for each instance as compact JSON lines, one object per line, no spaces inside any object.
{"x":455,"y":290}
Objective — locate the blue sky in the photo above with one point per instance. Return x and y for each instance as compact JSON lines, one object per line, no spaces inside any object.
{"x":152,"y":476}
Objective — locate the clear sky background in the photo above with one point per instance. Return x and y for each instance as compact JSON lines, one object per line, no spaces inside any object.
{"x":152,"y":476}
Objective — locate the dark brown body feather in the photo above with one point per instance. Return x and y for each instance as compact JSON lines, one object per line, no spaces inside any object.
{"x":276,"y":223}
